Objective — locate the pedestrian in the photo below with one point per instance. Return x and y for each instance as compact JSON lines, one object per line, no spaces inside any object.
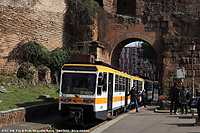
{"x":198,"y":107}
{"x":184,"y":94}
{"x":174,"y":95}
{"x":144,"y":98}
{"x":134,"y":98}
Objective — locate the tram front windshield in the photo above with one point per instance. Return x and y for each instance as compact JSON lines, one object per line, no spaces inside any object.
{"x":78,"y":83}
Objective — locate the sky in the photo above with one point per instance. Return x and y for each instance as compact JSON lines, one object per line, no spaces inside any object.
{"x":133,"y":44}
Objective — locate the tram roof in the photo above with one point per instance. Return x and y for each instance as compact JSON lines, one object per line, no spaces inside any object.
{"x":150,"y":81}
{"x":100,"y":68}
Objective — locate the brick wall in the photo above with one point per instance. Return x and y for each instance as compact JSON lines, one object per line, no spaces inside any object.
{"x":27,"y":19}
{"x":110,"y":6}
{"x":19,"y":115}
{"x":156,"y":14}
{"x":153,"y":20}
{"x":177,"y":55}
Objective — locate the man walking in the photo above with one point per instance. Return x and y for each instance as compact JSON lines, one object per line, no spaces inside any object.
{"x":134,"y":98}
{"x":174,"y":94}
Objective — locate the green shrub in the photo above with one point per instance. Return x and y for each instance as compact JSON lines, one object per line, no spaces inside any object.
{"x":37,"y":55}
{"x":58,"y":58}
{"x":25,"y":72}
{"x":30,"y":51}
{"x":79,"y":21}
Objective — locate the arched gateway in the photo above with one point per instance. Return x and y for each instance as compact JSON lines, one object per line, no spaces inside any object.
{"x":128,"y":37}
{"x":121,"y":35}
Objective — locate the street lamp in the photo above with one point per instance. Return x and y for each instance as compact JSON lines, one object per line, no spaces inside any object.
{"x":192,"y":49}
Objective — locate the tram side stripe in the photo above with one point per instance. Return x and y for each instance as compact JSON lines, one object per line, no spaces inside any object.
{"x":104,"y":100}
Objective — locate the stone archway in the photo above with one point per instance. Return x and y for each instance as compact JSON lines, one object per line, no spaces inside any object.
{"x":119,"y":42}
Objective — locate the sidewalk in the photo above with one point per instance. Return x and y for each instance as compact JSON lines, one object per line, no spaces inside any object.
{"x":149,"y":122}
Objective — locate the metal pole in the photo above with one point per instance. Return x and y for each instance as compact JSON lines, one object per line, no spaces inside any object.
{"x":192,"y":75}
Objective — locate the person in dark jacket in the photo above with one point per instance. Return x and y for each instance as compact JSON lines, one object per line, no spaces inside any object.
{"x":144,"y":98}
{"x":174,"y":95}
{"x":184,"y":93}
{"x":198,"y":107}
{"x":134,"y":98}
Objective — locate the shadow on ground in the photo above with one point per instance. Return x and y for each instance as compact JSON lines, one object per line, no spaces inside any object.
{"x":183,"y":124}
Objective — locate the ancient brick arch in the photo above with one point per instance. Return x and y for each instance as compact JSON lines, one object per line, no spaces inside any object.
{"x":123,"y":40}
{"x":118,"y":41}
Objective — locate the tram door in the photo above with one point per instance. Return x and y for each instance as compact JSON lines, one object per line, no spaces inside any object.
{"x":127,"y":90}
{"x":110,"y":91}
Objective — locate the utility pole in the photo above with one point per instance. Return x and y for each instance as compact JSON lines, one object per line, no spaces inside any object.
{"x":192,"y":49}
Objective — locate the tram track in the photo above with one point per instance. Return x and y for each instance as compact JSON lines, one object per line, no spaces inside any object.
{"x":55,"y":124}
{"x":70,"y":125}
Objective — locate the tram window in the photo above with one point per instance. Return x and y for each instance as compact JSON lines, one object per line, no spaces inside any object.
{"x":134,"y":84}
{"x":129,"y":84}
{"x":100,"y":79}
{"x":78,"y":83}
{"x":140,"y":85}
{"x":105,"y":82}
{"x":116,"y":83}
{"x":120,"y":83}
{"x":124,"y":83}
{"x":99,"y":90}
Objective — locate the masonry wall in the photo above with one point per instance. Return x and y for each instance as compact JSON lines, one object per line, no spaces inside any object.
{"x":155,"y":14}
{"x":151,"y":21}
{"x":19,"y":115}
{"x":177,"y":55}
{"x":25,"y":20}
{"x":161,"y":19}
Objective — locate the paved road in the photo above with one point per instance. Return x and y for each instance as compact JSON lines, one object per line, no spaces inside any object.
{"x":147,"y":121}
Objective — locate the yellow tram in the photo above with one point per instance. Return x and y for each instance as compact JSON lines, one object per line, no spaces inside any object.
{"x":149,"y":87}
{"x":95,"y":91}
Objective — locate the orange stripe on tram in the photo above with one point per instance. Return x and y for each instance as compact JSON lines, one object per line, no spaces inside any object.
{"x":104,"y":100}
{"x":117,"y":99}
{"x":100,"y":100}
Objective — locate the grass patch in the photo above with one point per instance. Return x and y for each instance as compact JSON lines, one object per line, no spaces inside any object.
{"x":23,"y":94}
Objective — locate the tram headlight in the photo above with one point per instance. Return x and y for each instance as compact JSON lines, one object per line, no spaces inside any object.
{"x":68,"y":100}
{"x":63,"y":99}
{"x":88,"y":100}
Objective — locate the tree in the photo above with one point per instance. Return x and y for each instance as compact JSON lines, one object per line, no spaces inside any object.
{"x":148,"y":51}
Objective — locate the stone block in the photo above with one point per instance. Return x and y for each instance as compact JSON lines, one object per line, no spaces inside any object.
{"x":166,"y":18}
{"x":164,"y":24}
{"x":3,"y":90}
{"x":167,"y":54}
{"x":44,"y":74}
{"x":46,"y":98}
